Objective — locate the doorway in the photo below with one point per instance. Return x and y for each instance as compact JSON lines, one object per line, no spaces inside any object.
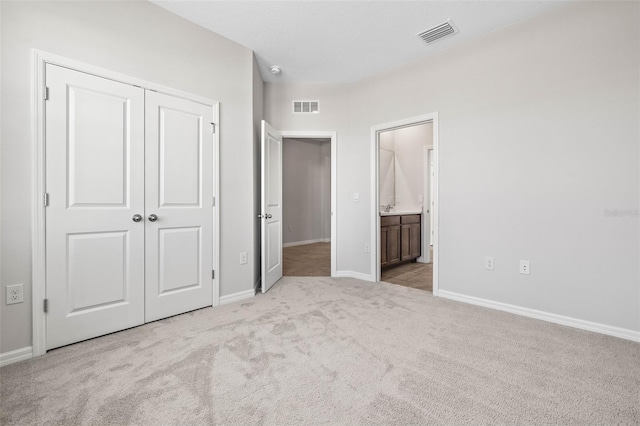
{"x":404,"y":194}
{"x":306,"y":195}
{"x":272,"y":202}
{"x":328,"y":164}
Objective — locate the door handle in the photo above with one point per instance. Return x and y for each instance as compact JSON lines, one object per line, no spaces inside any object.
{"x":153,"y":218}
{"x":137,"y":218}
{"x":269,"y":216}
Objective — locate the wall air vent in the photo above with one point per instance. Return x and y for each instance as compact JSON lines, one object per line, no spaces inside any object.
{"x":305,"y":107}
{"x":439,"y":31}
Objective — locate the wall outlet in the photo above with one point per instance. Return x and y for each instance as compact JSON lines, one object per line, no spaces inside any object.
{"x":15,"y":294}
{"x":525,"y":267}
{"x":243,"y":258}
{"x":356,"y":196}
{"x":366,"y":248}
{"x":490,"y":263}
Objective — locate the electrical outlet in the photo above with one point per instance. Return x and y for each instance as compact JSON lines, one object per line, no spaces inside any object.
{"x":490,"y":263}
{"x":15,"y":294}
{"x":366,"y":248}
{"x":243,"y":258}
{"x":525,"y":267}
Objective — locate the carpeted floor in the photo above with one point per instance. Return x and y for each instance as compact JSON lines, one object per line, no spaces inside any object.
{"x":323,"y":350}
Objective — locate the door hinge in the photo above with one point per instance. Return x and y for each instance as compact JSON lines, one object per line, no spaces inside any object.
{"x":213,"y":127}
{"x":46,"y":93}
{"x":46,"y":199}
{"x":213,"y":274}
{"x":213,"y":201}
{"x":46,"y":305}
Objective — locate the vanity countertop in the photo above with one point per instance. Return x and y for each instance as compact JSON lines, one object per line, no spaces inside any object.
{"x":401,"y":212}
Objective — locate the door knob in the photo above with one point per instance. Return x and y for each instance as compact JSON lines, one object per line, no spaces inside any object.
{"x":137,"y":218}
{"x":153,"y":218}
{"x":269,"y":216}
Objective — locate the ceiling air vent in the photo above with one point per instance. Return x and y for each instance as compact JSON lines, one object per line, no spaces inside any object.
{"x":305,"y":107}
{"x":438,"y":32}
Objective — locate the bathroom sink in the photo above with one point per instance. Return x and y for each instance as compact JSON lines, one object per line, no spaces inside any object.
{"x":401,"y":212}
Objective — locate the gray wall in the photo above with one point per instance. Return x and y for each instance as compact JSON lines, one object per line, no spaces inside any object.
{"x":539,"y":139}
{"x":140,"y":40}
{"x":306,"y":189}
{"x":258,"y":115}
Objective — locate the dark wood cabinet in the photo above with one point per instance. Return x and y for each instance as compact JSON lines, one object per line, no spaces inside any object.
{"x":389,"y":240}
{"x":400,"y":239}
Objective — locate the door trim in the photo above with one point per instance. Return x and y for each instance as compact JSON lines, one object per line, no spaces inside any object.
{"x":334,"y":183}
{"x":375,"y":203}
{"x":39,"y":59}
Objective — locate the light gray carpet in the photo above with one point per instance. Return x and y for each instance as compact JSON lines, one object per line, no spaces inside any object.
{"x":322,"y":350}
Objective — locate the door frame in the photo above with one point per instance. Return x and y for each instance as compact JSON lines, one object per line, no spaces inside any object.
{"x":39,"y":59}
{"x":375,"y":203}
{"x":298,"y":134}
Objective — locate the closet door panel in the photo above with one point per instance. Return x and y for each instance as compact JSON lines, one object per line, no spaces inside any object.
{"x":179,"y":176}
{"x":94,"y":131}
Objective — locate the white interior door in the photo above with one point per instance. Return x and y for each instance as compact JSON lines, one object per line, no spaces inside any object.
{"x":179,"y":208}
{"x":95,"y":181}
{"x":271,"y":258}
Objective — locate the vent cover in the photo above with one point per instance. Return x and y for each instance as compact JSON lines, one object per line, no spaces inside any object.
{"x":306,"y":107}
{"x":438,"y":32}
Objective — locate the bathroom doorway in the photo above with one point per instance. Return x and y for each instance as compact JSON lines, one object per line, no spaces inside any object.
{"x":307,"y":194}
{"x":404,"y":162}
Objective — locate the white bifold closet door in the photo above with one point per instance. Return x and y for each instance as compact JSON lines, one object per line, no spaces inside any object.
{"x":112,"y":161}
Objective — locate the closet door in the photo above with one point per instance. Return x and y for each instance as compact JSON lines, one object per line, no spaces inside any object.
{"x":179,"y":210}
{"x":94,"y":133}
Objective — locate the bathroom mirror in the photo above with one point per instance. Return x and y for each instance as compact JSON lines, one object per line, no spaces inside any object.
{"x":387,"y":177}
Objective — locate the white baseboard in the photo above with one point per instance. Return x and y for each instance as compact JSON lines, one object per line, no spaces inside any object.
{"x":353,"y":274}
{"x":241,"y":295}
{"x":303,"y":243}
{"x":16,"y":356}
{"x":622,"y":333}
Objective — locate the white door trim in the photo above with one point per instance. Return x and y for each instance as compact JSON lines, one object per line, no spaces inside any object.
{"x":375,"y":203}
{"x":334,"y":183}
{"x":38,"y":269}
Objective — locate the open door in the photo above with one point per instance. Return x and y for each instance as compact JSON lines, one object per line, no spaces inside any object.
{"x":271,"y":211}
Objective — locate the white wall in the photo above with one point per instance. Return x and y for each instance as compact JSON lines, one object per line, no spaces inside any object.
{"x":306,"y":190}
{"x":143,"y":41}
{"x":539,"y":139}
{"x":258,"y":115}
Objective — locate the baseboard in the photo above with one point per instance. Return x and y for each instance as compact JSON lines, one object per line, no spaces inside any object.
{"x":622,"y":333}
{"x":325,"y":240}
{"x":16,"y":356}
{"x":235,"y":297}
{"x":302,"y":243}
{"x":353,"y":274}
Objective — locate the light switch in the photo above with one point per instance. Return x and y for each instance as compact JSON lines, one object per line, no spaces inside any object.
{"x":356,"y":196}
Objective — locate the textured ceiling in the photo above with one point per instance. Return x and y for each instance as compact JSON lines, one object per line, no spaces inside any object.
{"x":345,"y":41}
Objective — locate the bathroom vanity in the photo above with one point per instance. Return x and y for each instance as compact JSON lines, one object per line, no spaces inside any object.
{"x":400,"y":238}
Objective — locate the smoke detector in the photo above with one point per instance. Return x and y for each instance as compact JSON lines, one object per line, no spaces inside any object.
{"x":275,"y":69}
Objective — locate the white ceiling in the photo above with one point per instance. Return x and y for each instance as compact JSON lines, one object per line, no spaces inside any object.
{"x":345,"y":41}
